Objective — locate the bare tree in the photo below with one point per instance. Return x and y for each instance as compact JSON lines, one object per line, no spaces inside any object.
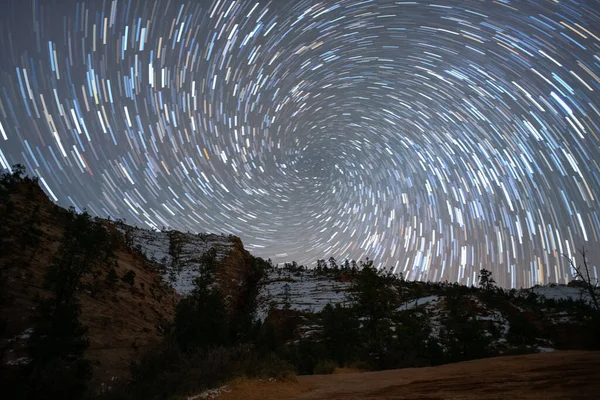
{"x":582,"y":272}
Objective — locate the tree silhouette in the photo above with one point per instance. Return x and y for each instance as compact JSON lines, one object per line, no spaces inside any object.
{"x":201,"y":319}
{"x":58,"y":342}
{"x":332,"y":263}
{"x":582,"y":272}
{"x":129,"y":277}
{"x":111,"y":277}
{"x":375,"y":300}
{"x":485,"y":280}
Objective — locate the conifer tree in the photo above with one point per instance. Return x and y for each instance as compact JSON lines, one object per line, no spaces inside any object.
{"x":485,"y":280}
{"x":375,"y":300}
{"x":201,"y":318}
{"x":56,"y":347}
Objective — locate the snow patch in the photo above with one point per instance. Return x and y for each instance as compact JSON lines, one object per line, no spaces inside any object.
{"x":23,"y":335}
{"x":559,"y":292}
{"x":19,"y":361}
{"x":545,"y":349}
{"x":210,"y":394}
{"x":417,"y":302}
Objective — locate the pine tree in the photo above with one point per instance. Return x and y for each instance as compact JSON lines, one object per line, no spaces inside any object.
{"x":286,"y":297}
{"x":201,"y":319}
{"x":340,"y":333}
{"x":332,"y":263}
{"x":56,"y":347}
{"x":485,"y":280}
{"x":111,"y":277}
{"x":374,"y":299}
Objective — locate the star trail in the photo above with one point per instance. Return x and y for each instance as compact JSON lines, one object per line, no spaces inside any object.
{"x":435,"y":137}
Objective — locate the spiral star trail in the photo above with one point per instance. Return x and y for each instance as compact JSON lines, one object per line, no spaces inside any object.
{"x":435,"y":137}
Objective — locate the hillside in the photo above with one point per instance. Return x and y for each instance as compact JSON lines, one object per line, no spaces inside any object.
{"x":125,"y":321}
{"x":539,"y":319}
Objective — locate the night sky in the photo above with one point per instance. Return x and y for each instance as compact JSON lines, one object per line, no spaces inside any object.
{"x":435,"y":137}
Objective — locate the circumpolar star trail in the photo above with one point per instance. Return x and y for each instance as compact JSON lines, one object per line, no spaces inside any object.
{"x":435,"y":137}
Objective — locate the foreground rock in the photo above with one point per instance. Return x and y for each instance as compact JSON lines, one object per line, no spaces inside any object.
{"x":557,"y":375}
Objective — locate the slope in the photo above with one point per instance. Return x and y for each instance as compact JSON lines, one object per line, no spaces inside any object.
{"x":558,"y":375}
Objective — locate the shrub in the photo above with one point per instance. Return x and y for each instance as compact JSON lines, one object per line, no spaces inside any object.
{"x":111,"y":277}
{"x":520,"y":350}
{"x":521,"y":331}
{"x":304,"y":355}
{"x":201,"y":320}
{"x":60,"y":379}
{"x":129,"y":277}
{"x":325,"y":367}
{"x":172,"y":372}
{"x":269,"y":366}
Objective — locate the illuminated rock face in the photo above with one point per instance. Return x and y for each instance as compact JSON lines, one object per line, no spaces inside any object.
{"x":179,"y":254}
{"x":180,"y":258}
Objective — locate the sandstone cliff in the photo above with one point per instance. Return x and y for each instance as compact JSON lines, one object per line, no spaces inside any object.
{"x":125,"y":321}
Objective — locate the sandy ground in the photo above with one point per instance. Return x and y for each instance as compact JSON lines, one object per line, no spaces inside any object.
{"x":556,"y":375}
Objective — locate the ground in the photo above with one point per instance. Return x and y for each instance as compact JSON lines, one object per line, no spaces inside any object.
{"x":556,"y":375}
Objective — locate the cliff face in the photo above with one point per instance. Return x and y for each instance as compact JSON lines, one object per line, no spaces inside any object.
{"x":179,"y":258}
{"x":125,"y":321}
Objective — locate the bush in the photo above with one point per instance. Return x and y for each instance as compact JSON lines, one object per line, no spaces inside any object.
{"x":129,"y":277}
{"x":201,"y":320}
{"x":172,"y":372}
{"x":360,"y":365}
{"x":591,"y":332}
{"x":304,"y":355}
{"x":521,"y":331}
{"x":111,"y":277}
{"x":269,"y":366}
{"x":521,"y":350}
{"x":60,"y":379}
{"x":325,"y":367}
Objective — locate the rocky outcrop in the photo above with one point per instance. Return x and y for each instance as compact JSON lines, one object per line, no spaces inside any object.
{"x":180,"y":258}
{"x":125,"y":321}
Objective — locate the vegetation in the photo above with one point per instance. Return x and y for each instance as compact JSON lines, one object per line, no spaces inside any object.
{"x":57,"y":368}
{"x":486,"y":281}
{"x":379,"y":327}
{"x":129,"y":277}
{"x":30,"y":236}
{"x":111,"y":278}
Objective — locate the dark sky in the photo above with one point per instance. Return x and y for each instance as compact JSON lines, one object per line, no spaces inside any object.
{"x":436,"y":137}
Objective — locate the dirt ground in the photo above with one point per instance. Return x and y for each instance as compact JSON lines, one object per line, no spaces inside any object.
{"x":556,"y":375}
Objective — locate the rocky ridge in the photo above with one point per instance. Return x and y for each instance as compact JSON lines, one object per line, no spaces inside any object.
{"x":125,"y":321}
